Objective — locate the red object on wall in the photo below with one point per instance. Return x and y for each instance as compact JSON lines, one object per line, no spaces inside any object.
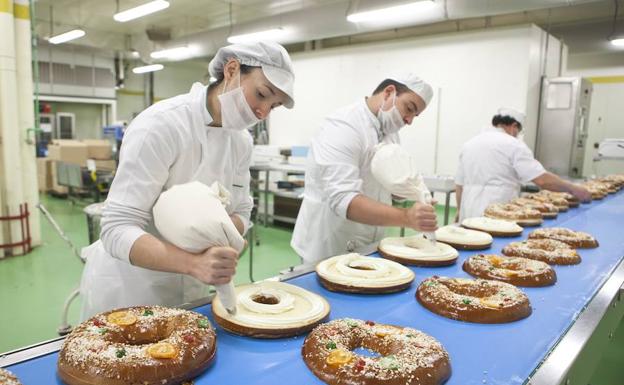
{"x":45,"y":108}
{"x":23,"y":216}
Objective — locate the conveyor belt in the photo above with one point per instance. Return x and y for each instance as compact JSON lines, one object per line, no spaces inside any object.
{"x":480,"y":354}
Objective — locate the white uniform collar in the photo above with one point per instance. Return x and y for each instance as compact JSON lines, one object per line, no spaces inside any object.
{"x":502,"y":131}
{"x":198,"y":94}
{"x":373,"y":120}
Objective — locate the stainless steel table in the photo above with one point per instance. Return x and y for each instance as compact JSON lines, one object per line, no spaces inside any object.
{"x":267,"y":168}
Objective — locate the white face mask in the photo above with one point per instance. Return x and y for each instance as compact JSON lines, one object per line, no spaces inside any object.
{"x":391,"y":120}
{"x":520,"y":136}
{"x":236,"y":114}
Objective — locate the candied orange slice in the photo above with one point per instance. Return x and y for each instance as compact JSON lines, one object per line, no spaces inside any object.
{"x":162,"y":350}
{"x":495,"y":261}
{"x":339,"y":357}
{"x":511,"y":273}
{"x":384,"y":331}
{"x":122,"y":318}
{"x":490,"y":304}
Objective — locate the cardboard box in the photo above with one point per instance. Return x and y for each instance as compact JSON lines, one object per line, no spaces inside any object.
{"x":105,"y":165}
{"x":56,"y":188}
{"x":68,"y":151}
{"x":44,"y":174}
{"x":98,"y":148}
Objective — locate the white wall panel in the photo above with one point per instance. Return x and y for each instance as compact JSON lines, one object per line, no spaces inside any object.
{"x":473,"y":73}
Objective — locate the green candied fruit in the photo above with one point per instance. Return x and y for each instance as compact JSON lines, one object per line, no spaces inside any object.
{"x":120,"y":353}
{"x":410,"y":335}
{"x":331,"y":345}
{"x":352,"y":323}
{"x":431,"y":283}
{"x":102,"y":331}
{"x":148,"y":312}
{"x":389,"y":362}
{"x":466,"y":301}
{"x":203,"y":323}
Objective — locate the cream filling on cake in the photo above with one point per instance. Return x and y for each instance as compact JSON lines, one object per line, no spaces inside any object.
{"x":461,"y":236}
{"x":300,"y":307}
{"x":529,"y":222}
{"x":491,"y":224}
{"x":417,"y":247}
{"x":285,"y":300}
{"x":360,"y":271}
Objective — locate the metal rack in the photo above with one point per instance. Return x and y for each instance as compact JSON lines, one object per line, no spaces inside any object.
{"x":267,"y":168}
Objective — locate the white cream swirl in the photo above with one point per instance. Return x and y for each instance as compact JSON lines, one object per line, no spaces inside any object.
{"x":491,"y":224}
{"x":360,"y":271}
{"x":301,"y":307}
{"x":459,"y":235}
{"x":417,"y":247}
{"x":285,"y":301}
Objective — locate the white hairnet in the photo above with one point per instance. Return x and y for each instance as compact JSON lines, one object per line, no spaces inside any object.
{"x":416,"y":84}
{"x":519,"y":116}
{"x":271,"y":57}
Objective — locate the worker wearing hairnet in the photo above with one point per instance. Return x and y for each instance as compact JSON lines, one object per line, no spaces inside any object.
{"x":344,"y":207}
{"x":494,"y":164}
{"x":199,"y":136}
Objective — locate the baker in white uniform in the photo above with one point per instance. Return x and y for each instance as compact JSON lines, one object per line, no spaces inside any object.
{"x":494,"y":164}
{"x":344,"y":207}
{"x":200,"y":136}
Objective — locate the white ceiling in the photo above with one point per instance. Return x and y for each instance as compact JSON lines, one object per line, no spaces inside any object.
{"x":184,"y":17}
{"x":582,"y":23}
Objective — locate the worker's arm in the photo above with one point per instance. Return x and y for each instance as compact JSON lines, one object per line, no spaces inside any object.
{"x":529,"y":169}
{"x":459,"y":189}
{"x":215,"y":266}
{"x":552,"y":182}
{"x":338,"y":151}
{"x":238,"y":223}
{"x":145,"y":160}
{"x":420,"y":216}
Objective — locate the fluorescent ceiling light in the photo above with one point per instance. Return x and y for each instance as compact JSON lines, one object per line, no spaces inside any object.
{"x":618,"y":42}
{"x":141,"y":10}
{"x":390,"y":13}
{"x":67,"y":36}
{"x":173,"y":53}
{"x":149,"y":68}
{"x":270,"y":35}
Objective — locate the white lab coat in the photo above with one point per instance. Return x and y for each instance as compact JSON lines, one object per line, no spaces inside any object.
{"x":492,"y":167}
{"x":169,"y":143}
{"x":339,"y":168}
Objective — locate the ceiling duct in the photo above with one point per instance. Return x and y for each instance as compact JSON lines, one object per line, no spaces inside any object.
{"x":158,"y":34}
{"x":326,"y":21}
